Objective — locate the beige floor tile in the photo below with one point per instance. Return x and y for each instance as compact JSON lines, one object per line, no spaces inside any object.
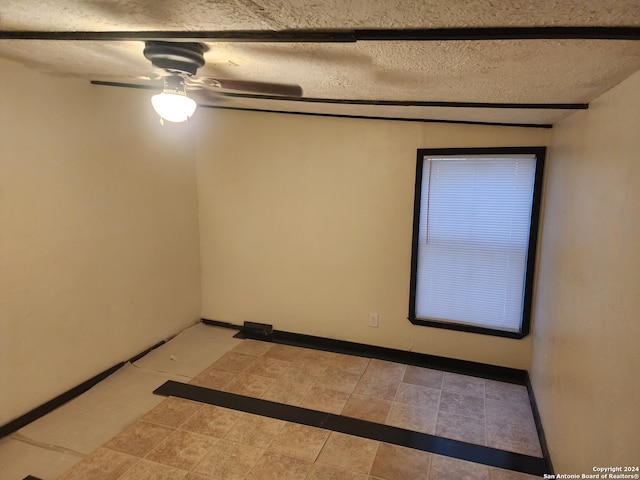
{"x":139,"y":439}
{"x":383,"y":388}
{"x":412,"y":417}
{"x":254,"y":430}
{"x":268,"y":367}
{"x":384,"y":369}
{"x":305,"y":373}
{"x":182,"y":449}
{"x":457,"y":427}
{"x":234,"y":362}
{"x":510,"y":426}
{"x":462,"y":404}
{"x":335,"y":379}
{"x":367,"y":408}
{"x":290,"y":393}
{"x":464,"y":384}
{"x":393,"y":462}
{"x":302,"y":372}
{"x":299,"y":441}
{"x":325,"y":472}
{"x":311,"y":355}
{"x":418,"y":395}
{"x":213,"y":378}
{"x":513,"y":437}
{"x":350,"y":363}
{"x":248,"y":385}
{"x":212,"y":421}
{"x":424,"y":377}
{"x":447,"y":468}
{"x":517,"y":413}
{"x":253,"y":347}
{"x":172,"y":412}
{"x":285,"y":352}
{"x":325,"y":400}
{"x":102,"y":464}
{"x":506,"y":392}
{"x":273,"y":466}
{"x":228,"y":461}
{"x":145,"y":470}
{"x":311,"y":366}
{"x":347,"y":452}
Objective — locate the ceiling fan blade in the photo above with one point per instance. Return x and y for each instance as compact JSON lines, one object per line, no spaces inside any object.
{"x":265,"y":88}
{"x":207,"y":96}
{"x":107,"y":83}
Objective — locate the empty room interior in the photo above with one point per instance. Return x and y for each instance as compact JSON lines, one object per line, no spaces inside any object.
{"x":272,"y":289}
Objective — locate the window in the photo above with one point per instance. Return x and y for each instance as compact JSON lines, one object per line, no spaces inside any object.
{"x":474,"y":238}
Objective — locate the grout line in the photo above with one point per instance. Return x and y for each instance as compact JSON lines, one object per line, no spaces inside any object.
{"x":429,"y":467}
{"x":486,"y":430}
{"x":435,"y":426}
{"x":373,"y":460}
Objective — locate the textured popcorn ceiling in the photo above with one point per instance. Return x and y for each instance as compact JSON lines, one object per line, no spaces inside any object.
{"x":496,"y":71}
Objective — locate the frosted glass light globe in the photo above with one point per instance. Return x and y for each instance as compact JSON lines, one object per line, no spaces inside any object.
{"x":173,"y":107}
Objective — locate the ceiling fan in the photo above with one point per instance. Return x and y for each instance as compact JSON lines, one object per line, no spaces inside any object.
{"x":179,"y":63}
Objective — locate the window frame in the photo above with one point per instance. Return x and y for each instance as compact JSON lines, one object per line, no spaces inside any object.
{"x":525,"y":327}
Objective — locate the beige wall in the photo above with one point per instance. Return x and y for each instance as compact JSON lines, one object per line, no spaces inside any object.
{"x":586,"y":357}
{"x":306,"y":224}
{"x":99,"y":249}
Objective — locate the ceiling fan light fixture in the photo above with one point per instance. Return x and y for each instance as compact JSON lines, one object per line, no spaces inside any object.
{"x":172,"y":107}
{"x":172,"y":104}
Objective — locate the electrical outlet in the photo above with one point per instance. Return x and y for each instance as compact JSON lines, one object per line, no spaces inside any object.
{"x":373,"y":320}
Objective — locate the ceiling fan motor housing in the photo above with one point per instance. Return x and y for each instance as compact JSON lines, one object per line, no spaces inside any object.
{"x":176,"y":57}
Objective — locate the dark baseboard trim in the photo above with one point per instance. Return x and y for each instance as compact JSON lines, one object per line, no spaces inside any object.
{"x":137,"y":357}
{"x":538,"y":420}
{"x":54,"y":403}
{"x":218,"y":323}
{"x":51,"y":405}
{"x":452,"y":365}
{"x":362,"y":428}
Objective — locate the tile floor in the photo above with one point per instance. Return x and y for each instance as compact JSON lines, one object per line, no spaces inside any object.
{"x":459,"y":407}
{"x":181,"y":439}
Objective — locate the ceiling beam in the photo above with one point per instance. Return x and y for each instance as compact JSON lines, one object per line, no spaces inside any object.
{"x":341,"y":35}
{"x":417,"y":103}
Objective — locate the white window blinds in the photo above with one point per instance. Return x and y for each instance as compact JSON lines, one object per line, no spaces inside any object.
{"x":475,"y":215}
